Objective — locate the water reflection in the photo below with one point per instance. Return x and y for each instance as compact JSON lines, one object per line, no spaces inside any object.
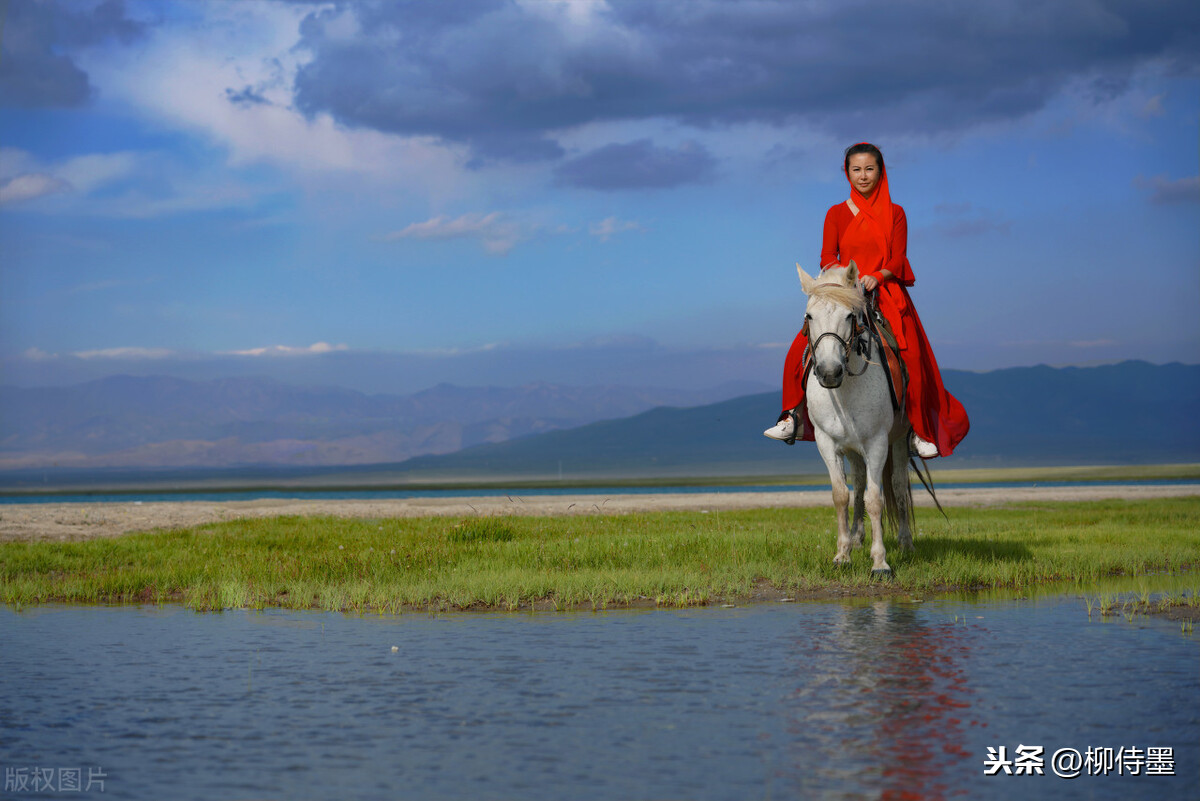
{"x":871,"y":700}
{"x":881,"y":693}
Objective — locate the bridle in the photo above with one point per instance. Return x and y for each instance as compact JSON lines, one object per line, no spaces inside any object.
{"x":859,"y":342}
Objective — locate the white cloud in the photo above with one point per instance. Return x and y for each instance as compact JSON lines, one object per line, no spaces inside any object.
{"x":125,"y":353}
{"x":31,"y":185}
{"x":288,"y":350}
{"x":496,"y":233}
{"x":87,"y":173}
{"x":158,"y":184}
{"x":35,"y":354}
{"x":38,"y":355}
{"x":14,"y":161}
{"x":83,"y":173}
{"x":611,"y":226}
{"x":190,"y":76}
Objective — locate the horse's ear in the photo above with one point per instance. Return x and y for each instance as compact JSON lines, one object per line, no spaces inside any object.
{"x":852,"y":273}
{"x":807,"y":282}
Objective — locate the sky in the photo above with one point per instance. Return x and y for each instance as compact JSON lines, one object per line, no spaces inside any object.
{"x":389,"y":195}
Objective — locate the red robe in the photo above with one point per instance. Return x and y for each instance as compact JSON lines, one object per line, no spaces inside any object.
{"x":877,"y":239}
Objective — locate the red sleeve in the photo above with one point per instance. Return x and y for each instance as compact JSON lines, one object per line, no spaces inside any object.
{"x":898,"y":263}
{"x":829,"y":242}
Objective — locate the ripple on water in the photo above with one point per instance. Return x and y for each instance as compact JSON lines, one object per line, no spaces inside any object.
{"x":770,"y":701}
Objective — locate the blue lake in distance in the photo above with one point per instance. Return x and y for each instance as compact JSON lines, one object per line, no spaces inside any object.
{"x":382,"y":494}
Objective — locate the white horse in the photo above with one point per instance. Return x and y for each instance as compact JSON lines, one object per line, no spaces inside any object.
{"x":850,"y":407}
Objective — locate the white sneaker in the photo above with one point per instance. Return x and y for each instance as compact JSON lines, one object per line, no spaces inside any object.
{"x":924,"y":449}
{"x":784,"y":430}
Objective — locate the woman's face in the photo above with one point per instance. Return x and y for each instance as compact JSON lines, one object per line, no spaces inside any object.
{"x":863,"y":171}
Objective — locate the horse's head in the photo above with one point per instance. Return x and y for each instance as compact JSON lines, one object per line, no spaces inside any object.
{"x":833,"y":320}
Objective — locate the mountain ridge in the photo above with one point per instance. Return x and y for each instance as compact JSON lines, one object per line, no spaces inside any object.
{"x":1130,"y":412}
{"x":158,"y":421}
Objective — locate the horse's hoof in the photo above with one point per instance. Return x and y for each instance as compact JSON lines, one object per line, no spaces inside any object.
{"x":841,"y":562}
{"x":883,"y":575}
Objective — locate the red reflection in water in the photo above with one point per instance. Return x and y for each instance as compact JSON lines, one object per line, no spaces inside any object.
{"x":897,"y":701}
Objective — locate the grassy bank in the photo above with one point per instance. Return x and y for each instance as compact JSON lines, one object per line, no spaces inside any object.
{"x":591,"y":561}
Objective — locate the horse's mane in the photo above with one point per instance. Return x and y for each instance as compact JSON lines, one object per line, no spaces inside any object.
{"x":837,"y":292}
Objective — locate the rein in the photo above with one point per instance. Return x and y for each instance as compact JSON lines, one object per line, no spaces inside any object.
{"x":859,"y":341}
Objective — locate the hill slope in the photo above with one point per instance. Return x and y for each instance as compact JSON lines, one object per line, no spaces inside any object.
{"x":1128,"y":413}
{"x":124,"y":421}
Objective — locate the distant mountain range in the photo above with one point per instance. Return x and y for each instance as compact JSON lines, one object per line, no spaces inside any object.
{"x":1127,"y":413}
{"x":130,"y":422}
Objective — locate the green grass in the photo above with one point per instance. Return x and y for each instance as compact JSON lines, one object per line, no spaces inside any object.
{"x":1181,"y":601}
{"x":674,"y":559}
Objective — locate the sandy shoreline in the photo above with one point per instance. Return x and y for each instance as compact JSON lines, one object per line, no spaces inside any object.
{"x":62,"y":522}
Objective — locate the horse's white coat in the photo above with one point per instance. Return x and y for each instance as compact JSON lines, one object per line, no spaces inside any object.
{"x":853,"y":418}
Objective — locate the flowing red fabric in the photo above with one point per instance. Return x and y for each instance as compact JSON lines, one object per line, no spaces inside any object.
{"x":877,"y":239}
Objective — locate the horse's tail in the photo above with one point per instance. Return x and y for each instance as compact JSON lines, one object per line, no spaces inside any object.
{"x":892,"y":506}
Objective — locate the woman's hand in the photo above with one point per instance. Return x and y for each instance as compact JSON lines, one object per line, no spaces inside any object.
{"x":871,"y":282}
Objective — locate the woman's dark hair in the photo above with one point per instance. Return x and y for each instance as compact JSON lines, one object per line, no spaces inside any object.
{"x":863,"y":147}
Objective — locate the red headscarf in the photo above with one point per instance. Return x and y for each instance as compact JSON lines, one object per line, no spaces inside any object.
{"x":869,"y":236}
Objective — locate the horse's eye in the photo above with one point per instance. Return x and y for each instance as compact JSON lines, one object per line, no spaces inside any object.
{"x":808,"y":317}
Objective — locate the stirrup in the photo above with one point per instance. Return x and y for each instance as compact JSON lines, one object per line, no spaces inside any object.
{"x":780,"y":424}
{"x":796,"y":429}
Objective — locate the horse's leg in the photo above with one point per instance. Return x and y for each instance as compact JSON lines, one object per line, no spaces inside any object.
{"x":902,"y":491}
{"x":858,"y":475}
{"x":877,"y":451}
{"x":841,"y":495}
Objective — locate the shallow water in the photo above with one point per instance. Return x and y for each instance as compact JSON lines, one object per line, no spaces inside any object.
{"x":816,"y":700}
{"x":528,"y":492}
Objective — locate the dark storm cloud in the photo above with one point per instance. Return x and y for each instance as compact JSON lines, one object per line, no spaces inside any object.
{"x":500,"y":77}
{"x":639,"y":165}
{"x":247,"y":96}
{"x":497,"y":146}
{"x":37,"y":68}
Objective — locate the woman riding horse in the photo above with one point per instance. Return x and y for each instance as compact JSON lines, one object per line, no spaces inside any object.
{"x":872,"y":231}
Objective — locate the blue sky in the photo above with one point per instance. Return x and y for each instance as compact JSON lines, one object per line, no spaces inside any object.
{"x":389,"y":195}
